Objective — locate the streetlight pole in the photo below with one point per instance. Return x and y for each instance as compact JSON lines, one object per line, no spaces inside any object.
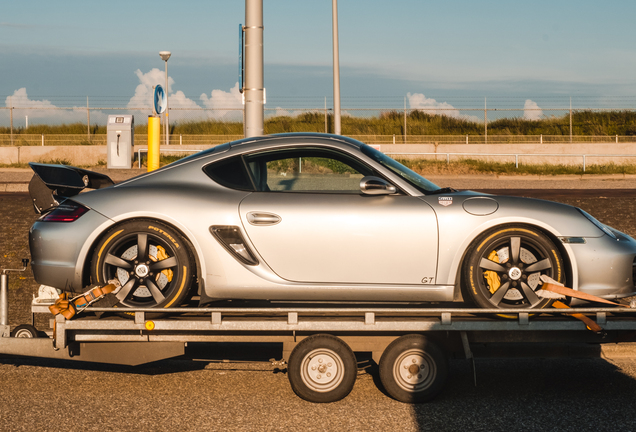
{"x":165,"y":55}
{"x":336,"y":69}
{"x":254,"y":82}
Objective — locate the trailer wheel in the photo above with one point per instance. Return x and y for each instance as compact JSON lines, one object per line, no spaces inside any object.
{"x":322,"y":368}
{"x":25,"y":331}
{"x":413,"y":369}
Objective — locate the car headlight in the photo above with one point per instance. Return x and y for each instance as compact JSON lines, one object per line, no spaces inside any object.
{"x":599,"y":225}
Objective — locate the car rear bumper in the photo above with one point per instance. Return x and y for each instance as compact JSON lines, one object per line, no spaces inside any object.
{"x":58,"y":250}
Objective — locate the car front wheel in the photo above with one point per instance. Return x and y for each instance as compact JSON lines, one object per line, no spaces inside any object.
{"x":504,"y":267}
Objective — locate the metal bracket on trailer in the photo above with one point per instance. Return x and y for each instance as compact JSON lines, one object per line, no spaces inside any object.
{"x":122,"y":353}
{"x":5,"y":329}
{"x":469,"y":354}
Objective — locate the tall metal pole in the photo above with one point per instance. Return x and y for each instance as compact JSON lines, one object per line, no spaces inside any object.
{"x":88,"y":121}
{"x":570,"y":120}
{"x":254,"y":88}
{"x":11,"y":115}
{"x":485,"y":121}
{"x":4,"y":301}
{"x":326,"y":125}
{"x":336,"y":69}
{"x":404,"y":119}
{"x":167,"y":108}
{"x":165,"y":55}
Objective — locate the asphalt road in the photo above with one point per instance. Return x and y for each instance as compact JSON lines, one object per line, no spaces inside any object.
{"x":513,"y":394}
{"x":247,"y":393}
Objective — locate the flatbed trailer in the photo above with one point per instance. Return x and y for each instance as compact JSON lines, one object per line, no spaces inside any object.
{"x":410,"y":345}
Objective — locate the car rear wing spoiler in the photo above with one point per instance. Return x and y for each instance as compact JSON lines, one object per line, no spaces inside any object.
{"x":51,"y":182}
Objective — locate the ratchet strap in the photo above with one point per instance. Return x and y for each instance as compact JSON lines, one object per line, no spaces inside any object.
{"x":578,"y":294}
{"x":589,"y":323}
{"x":70,"y":307}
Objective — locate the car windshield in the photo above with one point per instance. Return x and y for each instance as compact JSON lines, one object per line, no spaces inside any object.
{"x":410,"y":176}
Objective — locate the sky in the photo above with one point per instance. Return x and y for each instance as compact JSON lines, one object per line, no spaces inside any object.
{"x":453,"y":53}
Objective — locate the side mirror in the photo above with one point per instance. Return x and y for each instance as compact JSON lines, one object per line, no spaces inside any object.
{"x":371,"y":185}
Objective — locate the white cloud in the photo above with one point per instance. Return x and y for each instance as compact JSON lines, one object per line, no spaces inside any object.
{"x":180,"y":106}
{"x":144,"y":91}
{"x":20,"y":98}
{"x":219,"y":105}
{"x":431,"y":106}
{"x":282,"y":112}
{"x":43,"y":111}
{"x":226,"y":105}
{"x":531,"y":111}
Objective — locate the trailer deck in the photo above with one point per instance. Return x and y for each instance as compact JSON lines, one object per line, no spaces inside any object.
{"x":411,"y":345}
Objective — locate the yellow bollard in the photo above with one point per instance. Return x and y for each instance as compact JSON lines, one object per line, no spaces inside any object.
{"x":153,"y":142}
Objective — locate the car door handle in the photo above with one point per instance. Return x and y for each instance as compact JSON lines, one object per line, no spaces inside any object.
{"x":259,"y":218}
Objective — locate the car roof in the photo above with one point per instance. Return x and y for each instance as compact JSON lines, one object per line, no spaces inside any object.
{"x":309,"y":136}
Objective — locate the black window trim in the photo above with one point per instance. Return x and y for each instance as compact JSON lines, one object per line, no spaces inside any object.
{"x":375,"y":172}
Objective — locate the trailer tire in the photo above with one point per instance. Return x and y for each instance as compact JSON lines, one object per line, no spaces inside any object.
{"x":25,"y":331}
{"x":413,"y":369}
{"x":322,"y":369}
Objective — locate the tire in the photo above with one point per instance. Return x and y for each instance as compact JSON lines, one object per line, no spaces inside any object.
{"x":25,"y":331}
{"x":322,"y":369}
{"x":413,"y":369}
{"x":161,"y":277}
{"x":503,"y":268}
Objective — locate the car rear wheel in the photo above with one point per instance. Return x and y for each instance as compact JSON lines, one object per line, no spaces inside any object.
{"x":504,"y":267}
{"x":150,"y":260}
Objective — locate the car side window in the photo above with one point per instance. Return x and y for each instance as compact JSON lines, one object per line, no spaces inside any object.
{"x":230,"y":173}
{"x":306,"y":170}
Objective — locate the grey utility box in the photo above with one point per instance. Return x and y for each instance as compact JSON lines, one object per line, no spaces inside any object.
{"x":120,"y":141}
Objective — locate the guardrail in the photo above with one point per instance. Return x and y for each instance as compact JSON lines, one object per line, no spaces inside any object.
{"x":24,"y":139}
{"x":163,"y":150}
{"x":448,"y":155}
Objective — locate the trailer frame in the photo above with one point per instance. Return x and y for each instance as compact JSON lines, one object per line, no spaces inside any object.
{"x":102,"y":335}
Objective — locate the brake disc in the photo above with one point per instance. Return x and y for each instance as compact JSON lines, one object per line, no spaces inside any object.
{"x":502,"y":256}
{"x":156,"y":253}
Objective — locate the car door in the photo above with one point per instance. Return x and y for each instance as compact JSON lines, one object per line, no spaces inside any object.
{"x":310,"y":222}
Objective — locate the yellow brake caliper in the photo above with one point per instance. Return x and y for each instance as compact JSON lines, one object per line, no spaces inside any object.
{"x":162,"y":255}
{"x":492,"y":277}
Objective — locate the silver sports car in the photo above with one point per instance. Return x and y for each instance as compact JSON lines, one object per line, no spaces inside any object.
{"x":311,"y":217}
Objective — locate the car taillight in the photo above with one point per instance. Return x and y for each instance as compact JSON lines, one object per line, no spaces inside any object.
{"x":68,"y":211}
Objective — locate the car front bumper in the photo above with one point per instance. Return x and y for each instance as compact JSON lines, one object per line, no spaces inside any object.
{"x":606,"y":266}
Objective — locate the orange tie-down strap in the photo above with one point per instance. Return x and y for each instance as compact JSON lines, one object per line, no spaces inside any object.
{"x":68,"y":308}
{"x":591,"y":324}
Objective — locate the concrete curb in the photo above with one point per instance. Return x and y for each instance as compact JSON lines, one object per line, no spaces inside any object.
{"x":621,"y":350}
{"x":14,"y":187}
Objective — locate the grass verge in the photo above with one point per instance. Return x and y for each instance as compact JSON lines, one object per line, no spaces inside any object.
{"x":472,"y":166}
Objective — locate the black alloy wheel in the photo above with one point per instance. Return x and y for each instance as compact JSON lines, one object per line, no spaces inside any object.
{"x":504,"y":267}
{"x":151,"y":262}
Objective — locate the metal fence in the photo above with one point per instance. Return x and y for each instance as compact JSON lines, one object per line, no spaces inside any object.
{"x":25,"y":139}
{"x":437,"y":124}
